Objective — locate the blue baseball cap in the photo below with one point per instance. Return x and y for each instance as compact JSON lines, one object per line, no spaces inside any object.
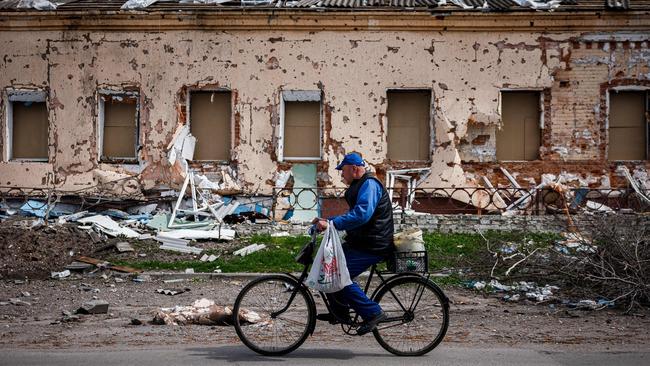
{"x":351,"y":159}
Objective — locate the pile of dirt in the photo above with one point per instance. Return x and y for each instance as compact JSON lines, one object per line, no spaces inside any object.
{"x":34,"y":252}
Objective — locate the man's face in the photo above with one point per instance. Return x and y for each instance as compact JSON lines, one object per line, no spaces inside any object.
{"x":347,"y":173}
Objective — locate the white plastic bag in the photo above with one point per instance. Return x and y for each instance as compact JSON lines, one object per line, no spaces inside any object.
{"x":329,"y":272}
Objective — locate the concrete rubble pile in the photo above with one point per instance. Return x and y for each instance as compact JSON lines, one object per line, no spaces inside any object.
{"x":206,"y":208}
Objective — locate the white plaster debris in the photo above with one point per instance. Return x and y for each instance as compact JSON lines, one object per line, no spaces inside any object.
{"x":204,"y":1}
{"x":202,"y":182}
{"x":641,"y":191}
{"x":597,"y":206}
{"x":223,"y":234}
{"x":641,"y":175}
{"x":36,"y":4}
{"x":175,"y":148}
{"x":59,"y":275}
{"x":124,"y":247}
{"x":137,"y":4}
{"x":249,"y":249}
{"x":281,"y":178}
{"x":561,"y":150}
{"x":177,"y":245}
{"x":539,"y":5}
{"x":209,"y":258}
{"x":106,"y":225}
{"x":72,"y":217}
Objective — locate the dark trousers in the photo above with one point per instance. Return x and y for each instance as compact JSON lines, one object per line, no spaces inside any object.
{"x":352,"y":296}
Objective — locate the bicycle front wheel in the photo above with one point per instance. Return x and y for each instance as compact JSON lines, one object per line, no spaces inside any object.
{"x":418,"y":316}
{"x":260,"y":322}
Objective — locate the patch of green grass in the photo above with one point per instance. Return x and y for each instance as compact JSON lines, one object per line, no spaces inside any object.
{"x":449,"y":250}
{"x":446,"y":251}
{"x":278,"y":256}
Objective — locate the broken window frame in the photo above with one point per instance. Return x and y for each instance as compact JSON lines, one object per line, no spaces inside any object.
{"x":188,"y":113}
{"x":540,"y":91}
{"x":431,"y":122}
{"x":134,"y":95}
{"x":629,"y":88}
{"x":22,"y":95}
{"x":300,"y":96}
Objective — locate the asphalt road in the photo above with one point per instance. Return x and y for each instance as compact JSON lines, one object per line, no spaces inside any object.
{"x":335,"y":355}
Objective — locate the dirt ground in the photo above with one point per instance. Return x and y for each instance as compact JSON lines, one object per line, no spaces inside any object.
{"x":475,"y":320}
{"x":35,"y":252}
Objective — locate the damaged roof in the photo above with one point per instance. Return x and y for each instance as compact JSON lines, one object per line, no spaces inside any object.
{"x":206,"y":5}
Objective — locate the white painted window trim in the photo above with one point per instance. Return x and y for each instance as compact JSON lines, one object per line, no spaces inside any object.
{"x":607,"y":106}
{"x":100,"y":127}
{"x":541,"y":111}
{"x":431,"y":120}
{"x":188,"y":111}
{"x":20,"y":95}
{"x":300,"y":96}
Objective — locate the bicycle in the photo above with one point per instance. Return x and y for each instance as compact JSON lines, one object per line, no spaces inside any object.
{"x":285,"y":310}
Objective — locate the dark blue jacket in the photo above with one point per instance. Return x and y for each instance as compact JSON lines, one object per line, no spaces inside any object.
{"x":369,"y":223}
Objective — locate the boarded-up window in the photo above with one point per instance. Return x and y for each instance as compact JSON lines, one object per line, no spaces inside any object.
{"x":301,"y":130}
{"x":119,"y":126}
{"x":28,"y":130}
{"x":519,"y":137}
{"x":409,"y":133}
{"x":210,"y":124}
{"x":627,"y":125}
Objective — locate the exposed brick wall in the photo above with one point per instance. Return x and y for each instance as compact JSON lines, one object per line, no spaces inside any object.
{"x":474,"y":223}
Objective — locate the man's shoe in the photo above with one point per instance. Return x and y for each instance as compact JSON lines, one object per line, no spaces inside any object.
{"x":370,"y":324}
{"x":329,"y":317}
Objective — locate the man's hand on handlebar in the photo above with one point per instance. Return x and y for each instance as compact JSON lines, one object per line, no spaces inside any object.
{"x":321,"y":224}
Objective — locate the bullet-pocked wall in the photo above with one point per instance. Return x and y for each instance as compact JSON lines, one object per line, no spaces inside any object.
{"x":466,"y":73}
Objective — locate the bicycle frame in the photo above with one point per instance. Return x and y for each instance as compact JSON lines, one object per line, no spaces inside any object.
{"x":373,"y":271}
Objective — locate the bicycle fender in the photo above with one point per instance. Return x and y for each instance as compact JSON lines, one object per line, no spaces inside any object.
{"x":395,"y":277}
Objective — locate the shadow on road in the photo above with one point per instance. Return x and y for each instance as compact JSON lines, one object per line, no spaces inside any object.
{"x":241,"y":353}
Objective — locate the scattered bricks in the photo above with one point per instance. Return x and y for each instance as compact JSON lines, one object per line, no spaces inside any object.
{"x":94,"y":307}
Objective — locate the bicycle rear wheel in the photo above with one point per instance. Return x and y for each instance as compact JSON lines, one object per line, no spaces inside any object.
{"x":269,"y":334}
{"x":418,"y":316}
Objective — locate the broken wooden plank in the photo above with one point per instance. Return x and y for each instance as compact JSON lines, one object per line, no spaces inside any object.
{"x":108,"y":265}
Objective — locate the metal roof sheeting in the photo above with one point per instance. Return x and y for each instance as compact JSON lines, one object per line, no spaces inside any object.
{"x":205,"y":5}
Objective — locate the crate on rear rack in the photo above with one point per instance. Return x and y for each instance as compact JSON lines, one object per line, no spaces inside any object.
{"x":411,"y":262}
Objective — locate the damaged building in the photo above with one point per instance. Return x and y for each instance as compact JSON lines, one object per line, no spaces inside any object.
{"x":433,"y":94}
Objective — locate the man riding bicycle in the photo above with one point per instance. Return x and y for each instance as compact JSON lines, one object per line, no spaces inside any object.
{"x":369,"y":240}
